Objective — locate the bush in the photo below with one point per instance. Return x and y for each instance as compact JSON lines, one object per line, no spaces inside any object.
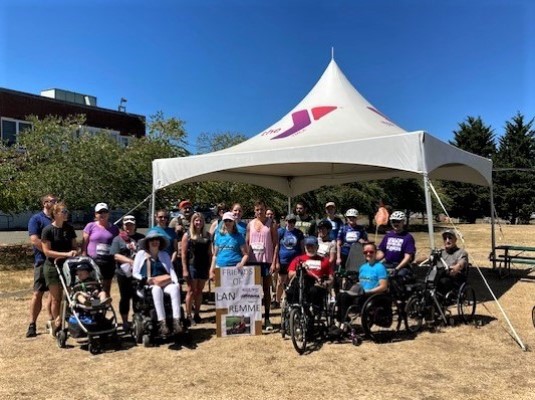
{"x":16,"y":256}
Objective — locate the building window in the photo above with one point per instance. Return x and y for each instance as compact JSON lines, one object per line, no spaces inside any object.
{"x":11,"y":128}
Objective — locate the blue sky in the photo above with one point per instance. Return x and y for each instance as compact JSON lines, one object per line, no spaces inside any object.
{"x":239,"y":66}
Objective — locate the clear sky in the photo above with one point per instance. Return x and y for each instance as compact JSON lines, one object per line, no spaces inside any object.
{"x":240,"y":66}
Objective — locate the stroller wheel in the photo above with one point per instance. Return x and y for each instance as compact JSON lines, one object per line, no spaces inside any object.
{"x":146,"y":340}
{"x":94,"y":348}
{"x":61,"y":339}
{"x":137,"y":329}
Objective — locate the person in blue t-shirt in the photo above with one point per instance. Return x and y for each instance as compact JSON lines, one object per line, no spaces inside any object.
{"x":230,"y":249}
{"x":373,"y":279}
{"x":347,"y":235}
{"x":335,"y":220}
{"x":290,"y":246}
{"x":36,"y":224}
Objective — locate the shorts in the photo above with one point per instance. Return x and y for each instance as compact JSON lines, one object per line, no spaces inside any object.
{"x":50,"y":273}
{"x":283,"y":270}
{"x":106,"y":266}
{"x":39,"y":283}
{"x":197,"y":273}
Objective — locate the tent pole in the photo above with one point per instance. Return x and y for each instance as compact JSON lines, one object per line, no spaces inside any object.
{"x":152,"y":208}
{"x":492,"y":228}
{"x":429,"y":210}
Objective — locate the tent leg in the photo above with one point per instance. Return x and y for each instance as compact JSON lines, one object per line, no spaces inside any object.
{"x":152,"y":208}
{"x":429,"y":210}
{"x":492,"y":227}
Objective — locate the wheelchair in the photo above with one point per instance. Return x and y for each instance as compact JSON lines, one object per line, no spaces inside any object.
{"x":430,"y":305}
{"x":301,"y":318}
{"x":379,"y":316}
{"x":145,"y":328}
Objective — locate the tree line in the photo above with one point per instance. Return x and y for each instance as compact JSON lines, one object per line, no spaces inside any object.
{"x":57,"y":156}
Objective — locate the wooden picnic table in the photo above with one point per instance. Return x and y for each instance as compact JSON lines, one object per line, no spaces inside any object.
{"x":507,"y":254}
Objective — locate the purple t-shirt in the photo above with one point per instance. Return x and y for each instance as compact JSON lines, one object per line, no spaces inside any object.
{"x":395,"y":245}
{"x":100,"y":238}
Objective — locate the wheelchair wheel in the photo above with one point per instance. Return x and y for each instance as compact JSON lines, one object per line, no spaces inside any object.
{"x":380,"y":318}
{"x":466,"y":303}
{"x":298,"y":330}
{"x":414,"y":313}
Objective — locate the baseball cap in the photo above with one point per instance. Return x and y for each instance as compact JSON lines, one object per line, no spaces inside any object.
{"x":330,"y":204}
{"x":290,"y":217}
{"x":352,"y":213}
{"x":229,"y":215}
{"x":101,"y":207}
{"x":129,"y":219}
{"x":311,"y":241}
{"x":184,"y":204}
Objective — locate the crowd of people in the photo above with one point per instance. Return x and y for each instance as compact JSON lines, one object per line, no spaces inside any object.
{"x":187,"y":249}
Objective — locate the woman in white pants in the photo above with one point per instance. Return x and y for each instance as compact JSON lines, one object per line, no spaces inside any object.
{"x":153,"y":263}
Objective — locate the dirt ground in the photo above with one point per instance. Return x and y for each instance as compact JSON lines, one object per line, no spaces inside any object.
{"x":480,"y":361}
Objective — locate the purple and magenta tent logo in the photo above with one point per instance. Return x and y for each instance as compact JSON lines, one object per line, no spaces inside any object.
{"x":301,"y":119}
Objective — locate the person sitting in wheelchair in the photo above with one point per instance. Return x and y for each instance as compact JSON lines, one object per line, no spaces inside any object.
{"x":318,"y":278}
{"x":373,"y":278}
{"x":397,"y":249}
{"x":152,"y":265}
{"x":456,"y":263}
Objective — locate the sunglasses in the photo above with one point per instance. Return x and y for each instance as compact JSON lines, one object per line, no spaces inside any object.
{"x":53,"y":201}
{"x":368,"y":252}
{"x":228,"y":220}
{"x":103,"y":212}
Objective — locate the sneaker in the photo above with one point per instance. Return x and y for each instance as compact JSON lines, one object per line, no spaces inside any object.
{"x":162,"y":328}
{"x":275,"y":305}
{"x":127,"y":327}
{"x":177,"y":328}
{"x":32,"y":330}
{"x":197,"y":318}
{"x":191,"y":320}
{"x":268,"y":326}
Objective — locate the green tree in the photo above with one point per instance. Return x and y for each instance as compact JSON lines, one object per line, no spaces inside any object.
{"x":468,"y":201}
{"x":515,"y":186}
{"x":58,"y":156}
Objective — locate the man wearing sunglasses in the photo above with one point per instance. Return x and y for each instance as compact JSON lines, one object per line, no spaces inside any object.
{"x":456,"y":260}
{"x":36,"y":224}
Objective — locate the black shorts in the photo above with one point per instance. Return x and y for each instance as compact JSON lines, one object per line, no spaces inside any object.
{"x":106,"y":264}
{"x":283,"y":270}
{"x":39,"y":283}
{"x":198,"y":273}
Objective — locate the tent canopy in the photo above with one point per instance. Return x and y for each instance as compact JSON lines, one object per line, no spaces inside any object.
{"x":333,"y":136}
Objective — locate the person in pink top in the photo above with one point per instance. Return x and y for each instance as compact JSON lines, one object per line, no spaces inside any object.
{"x":263,"y":242}
{"x":97,"y":239}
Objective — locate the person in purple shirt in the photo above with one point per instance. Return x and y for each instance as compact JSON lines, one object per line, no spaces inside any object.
{"x":397,"y":249}
{"x":36,"y":224}
{"x":97,"y":239}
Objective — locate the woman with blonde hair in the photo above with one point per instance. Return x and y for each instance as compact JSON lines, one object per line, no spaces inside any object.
{"x":196,"y":255}
{"x":59,"y":242}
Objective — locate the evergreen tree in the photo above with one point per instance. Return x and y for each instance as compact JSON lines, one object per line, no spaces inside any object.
{"x":515,"y":188}
{"x":471,"y":201}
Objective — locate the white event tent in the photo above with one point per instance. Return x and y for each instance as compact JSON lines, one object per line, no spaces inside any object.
{"x":333,"y":136}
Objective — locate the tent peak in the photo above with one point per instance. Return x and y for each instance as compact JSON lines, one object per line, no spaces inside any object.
{"x":332,"y":53}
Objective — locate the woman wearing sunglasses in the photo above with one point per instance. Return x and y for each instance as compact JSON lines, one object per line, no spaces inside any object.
{"x":230,"y":249}
{"x":59,"y":242}
{"x":373,"y":279}
{"x":97,"y":239}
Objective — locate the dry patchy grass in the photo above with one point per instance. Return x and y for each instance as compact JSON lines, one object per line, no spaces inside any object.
{"x":455,"y":362}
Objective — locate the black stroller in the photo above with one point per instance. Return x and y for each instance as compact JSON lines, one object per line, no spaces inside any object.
{"x":92,"y":321}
